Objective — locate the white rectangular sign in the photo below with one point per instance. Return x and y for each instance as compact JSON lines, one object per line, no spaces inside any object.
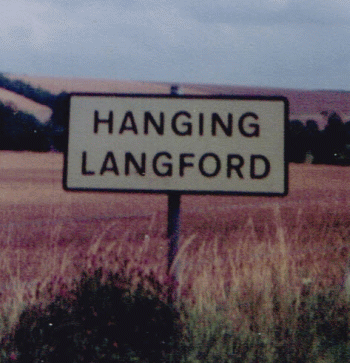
{"x":189,"y":144}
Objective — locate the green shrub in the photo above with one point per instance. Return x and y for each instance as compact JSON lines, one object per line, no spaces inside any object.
{"x":101,"y":320}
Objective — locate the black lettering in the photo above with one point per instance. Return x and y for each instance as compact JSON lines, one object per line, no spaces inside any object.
{"x":216,"y":119}
{"x":109,"y":158}
{"x":255,"y":127}
{"x":187,"y":125}
{"x":84,"y":170}
{"x":128,"y":117}
{"x":168,"y":166}
{"x":129,"y":158}
{"x":217,"y":167}
{"x":201,"y":124}
{"x":183,"y":163}
{"x":98,"y":121}
{"x":149,"y":118}
{"x":267,"y":167}
{"x":236,"y":166}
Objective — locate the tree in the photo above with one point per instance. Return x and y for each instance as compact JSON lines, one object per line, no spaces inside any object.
{"x":57,"y":127}
{"x":296,"y":142}
{"x":21,"y":131}
{"x":334,"y":139}
{"x":313,"y":140}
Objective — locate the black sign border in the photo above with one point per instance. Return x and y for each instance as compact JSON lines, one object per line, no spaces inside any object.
{"x":187,"y":192}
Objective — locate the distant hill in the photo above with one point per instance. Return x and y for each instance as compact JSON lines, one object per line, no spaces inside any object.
{"x":34,"y":113}
{"x":18,"y":102}
{"x":304,"y":105}
{"x":57,"y":85}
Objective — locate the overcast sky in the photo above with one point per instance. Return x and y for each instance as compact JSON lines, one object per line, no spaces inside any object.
{"x":279,"y":43}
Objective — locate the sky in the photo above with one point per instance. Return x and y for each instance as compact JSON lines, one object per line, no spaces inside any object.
{"x":302,"y":44}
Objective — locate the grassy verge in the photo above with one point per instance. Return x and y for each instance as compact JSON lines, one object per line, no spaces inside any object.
{"x":259,"y":286}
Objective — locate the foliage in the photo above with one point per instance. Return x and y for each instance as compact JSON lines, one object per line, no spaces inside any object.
{"x":57,"y":127}
{"x":261,"y":285}
{"x":320,"y":326}
{"x":100,"y":320}
{"x":296,"y":142}
{"x":38,"y":95}
{"x":328,"y":146}
{"x":21,"y":131}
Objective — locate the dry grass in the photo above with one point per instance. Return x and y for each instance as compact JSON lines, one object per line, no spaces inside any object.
{"x":261,"y":282}
{"x":34,"y":271}
{"x":244,"y":267}
{"x":230,"y":265}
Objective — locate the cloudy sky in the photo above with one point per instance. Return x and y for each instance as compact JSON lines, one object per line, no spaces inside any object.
{"x":279,"y":43}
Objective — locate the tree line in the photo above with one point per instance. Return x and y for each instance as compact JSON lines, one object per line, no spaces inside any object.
{"x":22,"y":131}
{"x":328,"y":146}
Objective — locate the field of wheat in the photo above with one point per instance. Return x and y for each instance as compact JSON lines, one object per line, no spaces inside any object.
{"x":253,"y":272}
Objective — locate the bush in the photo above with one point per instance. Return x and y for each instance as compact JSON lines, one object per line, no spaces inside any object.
{"x":99,"y":320}
{"x":21,"y":131}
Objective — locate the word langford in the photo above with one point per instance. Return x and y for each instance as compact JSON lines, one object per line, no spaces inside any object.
{"x":167,"y":143}
{"x":234,"y":162}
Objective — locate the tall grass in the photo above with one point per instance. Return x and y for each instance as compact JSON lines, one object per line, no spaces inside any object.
{"x":264,"y":285}
{"x":271,"y":291}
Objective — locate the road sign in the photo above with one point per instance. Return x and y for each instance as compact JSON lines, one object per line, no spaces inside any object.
{"x":185,"y":144}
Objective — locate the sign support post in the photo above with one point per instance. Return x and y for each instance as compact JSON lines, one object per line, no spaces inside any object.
{"x":174,"y":225}
{"x":174,"y":200}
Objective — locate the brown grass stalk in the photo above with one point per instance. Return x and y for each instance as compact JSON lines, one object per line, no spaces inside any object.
{"x":251,"y":271}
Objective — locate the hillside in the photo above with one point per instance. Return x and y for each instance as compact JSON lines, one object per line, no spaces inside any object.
{"x":304,"y":104}
{"x":18,"y":102}
{"x":62,"y":84}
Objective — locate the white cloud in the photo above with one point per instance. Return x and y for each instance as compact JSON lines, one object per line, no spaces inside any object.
{"x":31,"y":24}
{"x":20,"y":23}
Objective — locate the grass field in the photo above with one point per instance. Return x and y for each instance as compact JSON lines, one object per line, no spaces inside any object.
{"x":255,"y":273}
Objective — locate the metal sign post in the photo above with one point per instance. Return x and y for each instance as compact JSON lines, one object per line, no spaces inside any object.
{"x":174,"y":220}
{"x":174,"y":200}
